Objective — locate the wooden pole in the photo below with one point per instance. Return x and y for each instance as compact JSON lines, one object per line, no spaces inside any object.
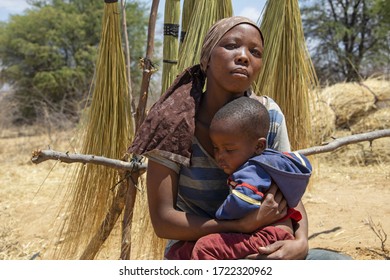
{"x":148,"y":68}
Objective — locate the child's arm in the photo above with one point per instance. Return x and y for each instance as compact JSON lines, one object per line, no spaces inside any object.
{"x":246,"y":192}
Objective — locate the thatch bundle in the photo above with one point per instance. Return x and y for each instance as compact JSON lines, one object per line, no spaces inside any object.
{"x":204,"y":14}
{"x":287,"y":74}
{"x":171,"y":42}
{"x":188,"y":7}
{"x":107,"y":134}
{"x":349,"y":101}
{"x":147,"y":246}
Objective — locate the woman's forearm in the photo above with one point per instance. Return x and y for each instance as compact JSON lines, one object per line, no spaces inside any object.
{"x":170,"y":223}
{"x":301,"y":230}
{"x":178,"y":225}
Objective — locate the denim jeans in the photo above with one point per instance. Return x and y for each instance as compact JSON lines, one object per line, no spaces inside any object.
{"x":322,"y":254}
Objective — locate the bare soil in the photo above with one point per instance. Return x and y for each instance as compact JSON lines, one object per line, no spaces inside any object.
{"x":348,"y":205}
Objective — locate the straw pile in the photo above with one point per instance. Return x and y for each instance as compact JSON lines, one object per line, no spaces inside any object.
{"x":349,"y":101}
{"x":106,"y":134}
{"x":381,"y":89}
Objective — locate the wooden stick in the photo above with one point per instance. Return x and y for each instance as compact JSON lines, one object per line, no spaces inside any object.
{"x":39,"y":156}
{"x":148,"y":68}
{"x":347,"y":140}
{"x":128,"y":216}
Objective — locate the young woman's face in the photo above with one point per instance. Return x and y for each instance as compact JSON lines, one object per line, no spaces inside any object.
{"x":237,"y":58}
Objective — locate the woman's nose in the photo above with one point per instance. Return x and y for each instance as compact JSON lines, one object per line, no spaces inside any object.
{"x":242,"y":56}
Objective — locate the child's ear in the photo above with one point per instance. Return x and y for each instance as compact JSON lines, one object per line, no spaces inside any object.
{"x":261,"y":145}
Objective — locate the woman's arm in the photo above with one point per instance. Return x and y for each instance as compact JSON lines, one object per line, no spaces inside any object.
{"x":170,"y":223}
{"x":167,"y":221}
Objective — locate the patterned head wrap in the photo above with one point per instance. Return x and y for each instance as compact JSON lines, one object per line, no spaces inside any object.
{"x":216,"y":32}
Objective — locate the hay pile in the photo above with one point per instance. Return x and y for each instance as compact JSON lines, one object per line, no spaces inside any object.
{"x":349,"y":101}
{"x":351,"y":108}
{"x":381,"y":90}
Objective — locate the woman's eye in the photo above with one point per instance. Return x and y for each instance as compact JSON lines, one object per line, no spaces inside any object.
{"x":230,"y":46}
{"x":256,"y":53}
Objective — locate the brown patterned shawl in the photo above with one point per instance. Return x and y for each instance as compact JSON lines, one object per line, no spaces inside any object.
{"x":170,"y":124}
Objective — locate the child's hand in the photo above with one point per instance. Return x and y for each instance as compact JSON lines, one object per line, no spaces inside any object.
{"x":272,"y":209}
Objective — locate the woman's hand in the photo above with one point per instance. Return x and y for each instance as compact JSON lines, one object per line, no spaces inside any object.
{"x":273,"y":208}
{"x":282,"y":250}
{"x":288,"y":249}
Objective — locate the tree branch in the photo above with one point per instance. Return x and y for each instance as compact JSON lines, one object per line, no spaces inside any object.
{"x":347,"y":140}
{"x":44,"y":155}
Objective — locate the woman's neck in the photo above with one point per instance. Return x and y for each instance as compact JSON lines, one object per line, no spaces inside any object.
{"x":212,"y":101}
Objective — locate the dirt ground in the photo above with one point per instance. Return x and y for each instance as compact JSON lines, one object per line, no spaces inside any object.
{"x":348,"y":205}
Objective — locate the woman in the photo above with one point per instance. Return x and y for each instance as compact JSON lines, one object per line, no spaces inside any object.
{"x":185,"y":186}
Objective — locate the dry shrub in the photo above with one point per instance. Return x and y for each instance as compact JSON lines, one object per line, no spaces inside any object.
{"x":349,"y":101}
{"x":323,"y":120}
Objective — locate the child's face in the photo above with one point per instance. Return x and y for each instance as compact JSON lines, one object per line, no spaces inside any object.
{"x":231,"y":147}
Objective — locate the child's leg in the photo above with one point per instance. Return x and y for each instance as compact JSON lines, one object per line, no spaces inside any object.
{"x":231,"y":246}
{"x":181,"y":250}
{"x":224,"y":246}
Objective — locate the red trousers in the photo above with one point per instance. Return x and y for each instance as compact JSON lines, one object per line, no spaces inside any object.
{"x":226,"y":246}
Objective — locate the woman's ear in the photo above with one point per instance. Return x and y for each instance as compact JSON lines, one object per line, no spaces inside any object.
{"x":261,"y":145}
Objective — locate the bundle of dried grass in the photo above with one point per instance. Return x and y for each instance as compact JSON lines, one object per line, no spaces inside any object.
{"x":204,"y":14}
{"x":152,"y":247}
{"x":171,"y":42}
{"x":287,"y":74}
{"x":349,"y":101}
{"x":107,"y":133}
{"x":188,"y":8}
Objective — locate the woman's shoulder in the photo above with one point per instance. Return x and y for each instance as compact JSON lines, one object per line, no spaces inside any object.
{"x":267,"y":101}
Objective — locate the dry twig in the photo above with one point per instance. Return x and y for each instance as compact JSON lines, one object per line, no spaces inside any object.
{"x":347,"y":140}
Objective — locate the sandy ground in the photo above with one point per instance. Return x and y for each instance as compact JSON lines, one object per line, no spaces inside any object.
{"x":348,"y":205}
